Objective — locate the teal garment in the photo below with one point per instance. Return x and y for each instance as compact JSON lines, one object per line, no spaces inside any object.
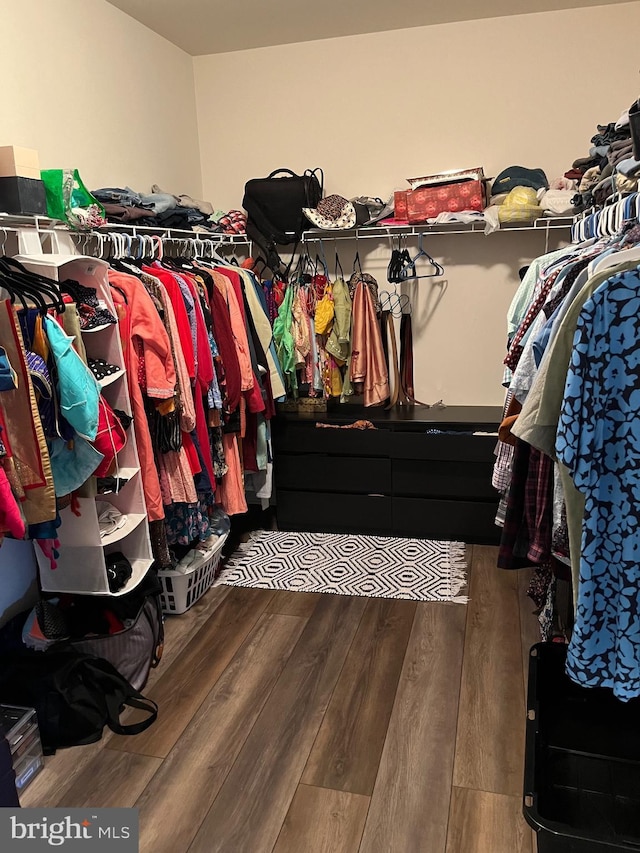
{"x":283,"y":337}
{"x":78,"y":389}
{"x":72,"y":463}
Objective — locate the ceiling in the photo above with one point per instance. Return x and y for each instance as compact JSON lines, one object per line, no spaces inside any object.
{"x":218,"y":26}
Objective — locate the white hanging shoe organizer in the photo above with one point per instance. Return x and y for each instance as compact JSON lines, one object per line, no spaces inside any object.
{"x":81,"y":566}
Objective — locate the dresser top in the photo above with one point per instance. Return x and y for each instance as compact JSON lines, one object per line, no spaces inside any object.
{"x":488,"y":417}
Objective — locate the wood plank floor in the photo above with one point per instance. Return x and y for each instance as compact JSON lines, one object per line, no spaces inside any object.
{"x":300,"y":723}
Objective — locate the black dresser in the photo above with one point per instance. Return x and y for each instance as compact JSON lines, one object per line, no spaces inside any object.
{"x":396,"y":480}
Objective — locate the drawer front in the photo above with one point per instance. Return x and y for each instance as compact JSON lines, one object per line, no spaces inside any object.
{"x":457,"y":448}
{"x":465,"y":521}
{"x":303,"y":438}
{"x":324,"y":512}
{"x":431,"y":479}
{"x":318,"y":473}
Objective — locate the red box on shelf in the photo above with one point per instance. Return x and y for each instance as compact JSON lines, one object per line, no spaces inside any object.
{"x":427,"y":202}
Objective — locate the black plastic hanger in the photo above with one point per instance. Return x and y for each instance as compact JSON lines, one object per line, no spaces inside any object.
{"x":409,"y":271}
{"x":31,"y":285}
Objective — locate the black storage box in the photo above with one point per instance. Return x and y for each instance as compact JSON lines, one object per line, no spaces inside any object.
{"x":22,"y":196}
{"x":582,"y":766}
{"x":8,"y":791}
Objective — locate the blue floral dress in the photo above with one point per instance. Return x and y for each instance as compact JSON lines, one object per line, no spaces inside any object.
{"x":599,"y":441}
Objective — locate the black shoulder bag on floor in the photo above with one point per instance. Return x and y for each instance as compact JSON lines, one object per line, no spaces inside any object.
{"x":75,"y":695}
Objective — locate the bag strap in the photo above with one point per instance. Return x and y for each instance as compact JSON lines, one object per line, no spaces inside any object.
{"x":313,"y":173}
{"x":134,"y":700}
{"x":118,"y":693}
{"x":282,"y":172}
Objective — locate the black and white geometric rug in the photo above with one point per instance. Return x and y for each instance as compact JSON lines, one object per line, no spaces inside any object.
{"x":377,"y":566}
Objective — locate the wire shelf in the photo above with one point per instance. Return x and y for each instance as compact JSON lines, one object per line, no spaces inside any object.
{"x":378,"y":232}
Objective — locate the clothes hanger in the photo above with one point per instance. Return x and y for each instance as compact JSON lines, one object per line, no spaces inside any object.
{"x":13,"y":293}
{"x":615,"y":258}
{"x":393,"y":265}
{"x":409,"y":272}
{"x":611,"y":222}
{"x":394,"y":302}
{"x":32,"y":285}
{"x":15,"y":286}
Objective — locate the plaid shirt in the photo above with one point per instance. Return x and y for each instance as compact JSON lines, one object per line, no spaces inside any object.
{"x":538,"y":506}
{"x":514,"y":543}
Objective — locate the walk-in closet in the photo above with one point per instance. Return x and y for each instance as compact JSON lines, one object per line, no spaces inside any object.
{"x":320,"y":426}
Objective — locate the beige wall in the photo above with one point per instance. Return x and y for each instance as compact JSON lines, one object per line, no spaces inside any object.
{"x":375,"y":109}
{"x":91,"y":88}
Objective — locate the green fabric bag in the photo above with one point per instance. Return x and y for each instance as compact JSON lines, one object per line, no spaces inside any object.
{"x":69,"y":200}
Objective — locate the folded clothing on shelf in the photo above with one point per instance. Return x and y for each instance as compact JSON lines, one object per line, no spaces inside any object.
{"x":118,"y":570}
{"x":110,"y":518}
{"x":111,"y":485}
{"x":101,"y":368}
{"x":92,"y":311}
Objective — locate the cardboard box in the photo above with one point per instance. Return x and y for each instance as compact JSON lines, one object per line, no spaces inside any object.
{"x":427,"y":202}
{"x":19,"y":162}
{"x":450,"y":177}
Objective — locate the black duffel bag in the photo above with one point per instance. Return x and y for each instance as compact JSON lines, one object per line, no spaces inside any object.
{"x":75,"y":695}
{"x":274,"y":205}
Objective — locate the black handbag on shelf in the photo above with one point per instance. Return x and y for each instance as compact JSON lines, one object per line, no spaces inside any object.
{"x":274,"y":205}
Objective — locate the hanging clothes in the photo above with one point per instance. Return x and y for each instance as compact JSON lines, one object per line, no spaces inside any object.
{"x":598,"y":435}
{"x":23,"y":436}
{"x":283,"y":338}
{"x":574,"y":371}
{"x":141,"y":327}
{"x":368,"y":367}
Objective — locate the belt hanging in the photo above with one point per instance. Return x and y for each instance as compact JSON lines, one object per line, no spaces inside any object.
{"x":398,"y":396}
{"x":401,"y":371}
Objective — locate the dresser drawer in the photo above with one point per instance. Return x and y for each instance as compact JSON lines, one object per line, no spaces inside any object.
{"x":463,"y":521}
{"x":446,"y":479}
{"x":324,"y":512}
{"x":457,"y":448}
{"x":316,"y":472}
{"x":307,"y":438}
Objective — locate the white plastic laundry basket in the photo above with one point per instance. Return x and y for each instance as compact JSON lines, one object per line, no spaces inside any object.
{"x":181,"y":591}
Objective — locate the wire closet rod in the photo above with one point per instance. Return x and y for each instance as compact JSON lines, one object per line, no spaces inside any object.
{"x":543,"y":225}
{"x":46,"y":225}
